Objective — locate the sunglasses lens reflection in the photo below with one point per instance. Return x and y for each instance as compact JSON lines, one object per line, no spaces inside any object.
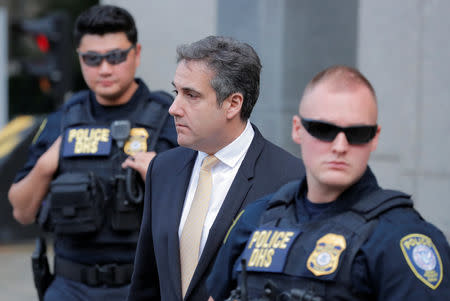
{"x":92,"y":59}
{"x":361,"y":134}
{"x":113,"y":57}
{"x":323,"y":131}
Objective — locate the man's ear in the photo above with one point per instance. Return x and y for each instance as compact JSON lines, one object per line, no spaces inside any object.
{"x":233,"y":105}
{"x":138,"y":54}
{"x":374,"y":142}
{"x":296,"y":126}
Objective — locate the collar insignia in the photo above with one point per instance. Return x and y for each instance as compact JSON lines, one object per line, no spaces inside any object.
{"x":324,"y":259}
{"x":423,"y":258}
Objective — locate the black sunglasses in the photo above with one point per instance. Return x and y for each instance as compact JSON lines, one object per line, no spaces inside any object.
{"x":325,"y":131}
{"x":113,"y":57}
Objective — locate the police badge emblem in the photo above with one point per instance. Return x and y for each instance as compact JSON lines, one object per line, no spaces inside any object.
{"x":422,"y":258}
{"x":137,"y":141}
{"x":324,"y":259}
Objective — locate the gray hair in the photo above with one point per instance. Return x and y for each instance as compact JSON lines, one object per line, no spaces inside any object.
{"x":236,"y":66}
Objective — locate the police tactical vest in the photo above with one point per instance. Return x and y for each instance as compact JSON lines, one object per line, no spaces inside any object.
{"x":89,"y":195}
{"x":312,"y":260}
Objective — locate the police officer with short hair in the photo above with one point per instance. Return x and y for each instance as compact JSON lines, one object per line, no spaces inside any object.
{"x":85,"y":169}
{"x":335,"y":234}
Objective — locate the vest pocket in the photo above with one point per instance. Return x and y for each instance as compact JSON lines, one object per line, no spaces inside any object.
{"x":76,"y":203}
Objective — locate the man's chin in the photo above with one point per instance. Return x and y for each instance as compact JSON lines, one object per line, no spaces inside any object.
{"x":110,"y":97}
{"x":338,"y":180}
{"x":184,"y":141}
{"x":108,"y":94}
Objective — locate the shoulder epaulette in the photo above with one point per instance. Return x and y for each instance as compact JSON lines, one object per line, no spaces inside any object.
{"x":381,"y":201}
{"x":284,"y":195}
{"x":75,"y":104}
{"x":76,"y":98}
{"x":277,"y":205}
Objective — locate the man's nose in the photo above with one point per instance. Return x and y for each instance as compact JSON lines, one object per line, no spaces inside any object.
{"x":104,"y":66}
{"x":174,"y":109}
{"x":340,"y":143}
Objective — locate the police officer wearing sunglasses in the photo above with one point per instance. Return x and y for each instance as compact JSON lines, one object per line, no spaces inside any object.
{"x":83,"y":178}
{"x":335,"y":234}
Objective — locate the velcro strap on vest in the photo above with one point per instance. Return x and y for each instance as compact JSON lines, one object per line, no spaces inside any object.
{"x":150,"y":114}
{"x":285,"y":195}
{"x":154,"y":116}
{"x":277,"y":206}
{"x":94,"y":275}
{"x":79,"y":113}
{"x":380,"y":201}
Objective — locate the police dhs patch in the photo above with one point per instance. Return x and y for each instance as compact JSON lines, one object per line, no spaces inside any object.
{"x":86,"y":141}
{"x":423,"y":258}
{"x":324,"y":259}
{"x":268,"y":248}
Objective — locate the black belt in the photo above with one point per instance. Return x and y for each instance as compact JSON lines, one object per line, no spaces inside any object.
{"x":94,"y":275}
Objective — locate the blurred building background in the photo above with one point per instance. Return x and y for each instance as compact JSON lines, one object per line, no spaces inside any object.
{"x":401,"y":46}
{"x":40,"y":70}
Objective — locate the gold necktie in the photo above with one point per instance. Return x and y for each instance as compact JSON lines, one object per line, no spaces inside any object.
{"x":192,"y":230}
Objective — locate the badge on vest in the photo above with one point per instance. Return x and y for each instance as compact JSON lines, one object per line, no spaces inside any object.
{"x":423,"y":258}
{"x":324,"y":259}
{"x":87,"y":141}
{"x":268,"y":249}
{"x":137,"y":142}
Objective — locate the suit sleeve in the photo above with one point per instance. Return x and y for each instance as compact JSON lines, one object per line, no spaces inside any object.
{"x":145,"y":281}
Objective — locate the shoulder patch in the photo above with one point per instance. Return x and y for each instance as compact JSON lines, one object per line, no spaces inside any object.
{"x":324,"y":259}
{"x":423,"y":258}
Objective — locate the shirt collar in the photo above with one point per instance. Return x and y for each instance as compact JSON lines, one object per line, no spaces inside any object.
{"x":233,"y":152}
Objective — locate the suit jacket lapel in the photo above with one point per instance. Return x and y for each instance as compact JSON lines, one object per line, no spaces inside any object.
{"x":231,"y":206}
{"x":181,"y":183}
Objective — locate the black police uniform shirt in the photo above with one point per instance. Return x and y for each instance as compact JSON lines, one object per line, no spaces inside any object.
{"x":381,"y":268}
{"x":50,"y":130}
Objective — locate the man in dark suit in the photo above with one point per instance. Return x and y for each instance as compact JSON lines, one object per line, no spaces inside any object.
{"x":217,"y":85}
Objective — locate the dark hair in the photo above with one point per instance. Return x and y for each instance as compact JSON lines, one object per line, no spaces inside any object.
{"x":340,"y":77}
{"x":103,"y":19}
{"x":236,"y":66}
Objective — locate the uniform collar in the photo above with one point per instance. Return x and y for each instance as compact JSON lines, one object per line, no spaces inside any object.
{"x":109,"y":113}
{"x":366,"y":184}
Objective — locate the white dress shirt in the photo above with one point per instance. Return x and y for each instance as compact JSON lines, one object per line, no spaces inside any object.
{"x":223,"y":173}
